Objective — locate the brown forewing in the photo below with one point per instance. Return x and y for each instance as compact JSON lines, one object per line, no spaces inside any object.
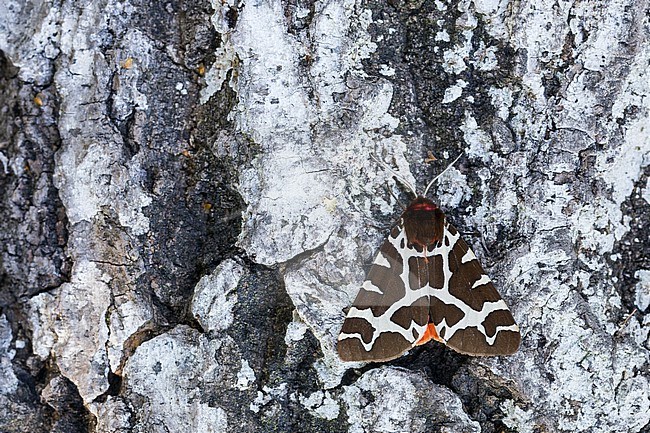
{"x":387,"y":279}
{"x":463,"y":277}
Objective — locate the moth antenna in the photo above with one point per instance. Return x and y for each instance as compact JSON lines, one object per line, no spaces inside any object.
{"x":403,"y":181}
{"x":443,"y":172}
{"x":390,"y":191}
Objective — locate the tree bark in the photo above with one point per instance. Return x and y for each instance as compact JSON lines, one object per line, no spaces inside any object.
{"x":189,"y":204}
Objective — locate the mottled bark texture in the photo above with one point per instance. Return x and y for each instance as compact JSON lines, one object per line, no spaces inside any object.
{"x":188,"y":205}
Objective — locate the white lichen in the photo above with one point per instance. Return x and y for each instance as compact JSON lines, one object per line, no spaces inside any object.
{"x":245,"y":376}
{"x":8,"y":379}
{"x":169,"y":372}
{"x":215,"y":298}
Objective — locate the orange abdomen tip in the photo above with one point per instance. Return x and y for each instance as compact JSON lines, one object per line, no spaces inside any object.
{"x":429,"y":334}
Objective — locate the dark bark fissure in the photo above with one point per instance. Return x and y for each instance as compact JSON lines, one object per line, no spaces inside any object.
{"x":630,"y":254}
{"x":29,"y":134}
{"x":69,"y":415}
{"x":259,"y":329}
{"x":33,"y":238}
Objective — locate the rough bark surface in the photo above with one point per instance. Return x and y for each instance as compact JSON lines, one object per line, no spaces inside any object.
{"x":188,"y":205}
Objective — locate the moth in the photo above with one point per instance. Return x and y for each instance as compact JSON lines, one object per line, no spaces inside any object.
{"x":426,"y":284}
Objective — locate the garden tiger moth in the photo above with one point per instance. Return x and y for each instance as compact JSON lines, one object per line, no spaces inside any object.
{"x":426,"y":283}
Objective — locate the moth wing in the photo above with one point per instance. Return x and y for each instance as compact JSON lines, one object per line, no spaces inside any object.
{"x":391,"y":311}
{"x":466,"y":309}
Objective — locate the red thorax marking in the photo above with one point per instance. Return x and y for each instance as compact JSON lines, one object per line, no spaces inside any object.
{"x":423,"y":207}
